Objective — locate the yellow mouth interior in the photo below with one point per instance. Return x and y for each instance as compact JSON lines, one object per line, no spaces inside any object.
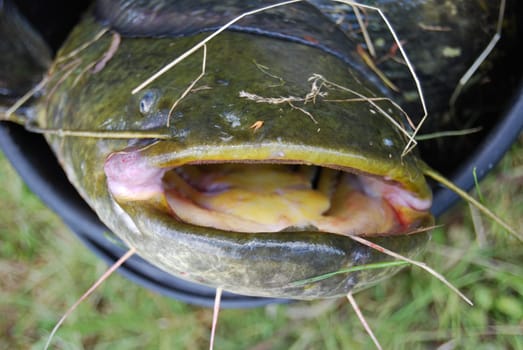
{"x":277,"y":197}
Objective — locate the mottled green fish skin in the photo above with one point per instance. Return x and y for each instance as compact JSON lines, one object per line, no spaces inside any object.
{"x":216,"y":119}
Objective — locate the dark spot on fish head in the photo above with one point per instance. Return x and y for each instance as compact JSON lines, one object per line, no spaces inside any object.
{"x":388,"y":142}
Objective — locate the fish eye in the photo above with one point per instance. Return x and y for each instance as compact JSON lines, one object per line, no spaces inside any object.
{"x":148,"y":101}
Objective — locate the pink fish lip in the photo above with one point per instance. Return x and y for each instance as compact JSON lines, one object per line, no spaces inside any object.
{"x":130,"y":177}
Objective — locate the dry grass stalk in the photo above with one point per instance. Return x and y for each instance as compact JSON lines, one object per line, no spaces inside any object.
{"x":113,"y":47}
{"x":216,"y":310}
{"x":448,"y":133}
{"x":83,"y":46}
{"x":307,"y":113}
{"x":190,"y":87}
{"x":9,"y":112}
{"x":369,"y":61}
{"x":482,"y":57}
{"x":471,"y":200}
{"x":413,"y":262}
{"x":265,"y":70}
{"x":369,"y":100}
{"x":364,"y":322}
{"x":364,"y":31}
{"x":270,"y":100}
{"x":101,"y":134}
{"x":91,"y":289}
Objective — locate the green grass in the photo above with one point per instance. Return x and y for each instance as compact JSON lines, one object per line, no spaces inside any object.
{"x":44,"y":269}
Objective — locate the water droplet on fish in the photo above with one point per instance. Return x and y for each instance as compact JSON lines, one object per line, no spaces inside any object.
{"x":232,"y":119}
{"x":388,"y":142}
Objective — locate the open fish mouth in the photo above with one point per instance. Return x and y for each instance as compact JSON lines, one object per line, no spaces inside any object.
{"x":270,"y":195}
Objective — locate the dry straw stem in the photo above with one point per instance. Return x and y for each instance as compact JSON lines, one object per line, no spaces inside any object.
{"x":318,"y":82}
{"x":442,"y":180}
{"x":102,"y":278}
{"x":216,"y":310}
{"x":364,"y":322}
{"x":190,"y":87}
{"x":413,"y":262}
{"x":376,"y":99}
{"x":364,"y":31}
{"x":265,"y":70}
{"x":67,"y":70}
{"x":279,"y":100}
{"x":369,"y":100}
{"x":448,"y":133}
{"x":101,"y":134}
{"x":45,"y":80}
{"x":309,"y":114}
{"x":309,"y":97}
{"x":9,"y":112}
{"x":411,"y":143}
{"x":97,"y":66}
{"x":479,"y":60}
{"x":369,"y":61}
{"x":83,"y":46}
{"x":113,"y":47}
{"x":270,"y":100}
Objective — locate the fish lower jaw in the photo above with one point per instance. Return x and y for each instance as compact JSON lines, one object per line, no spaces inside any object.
{"x":252,"y":198}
